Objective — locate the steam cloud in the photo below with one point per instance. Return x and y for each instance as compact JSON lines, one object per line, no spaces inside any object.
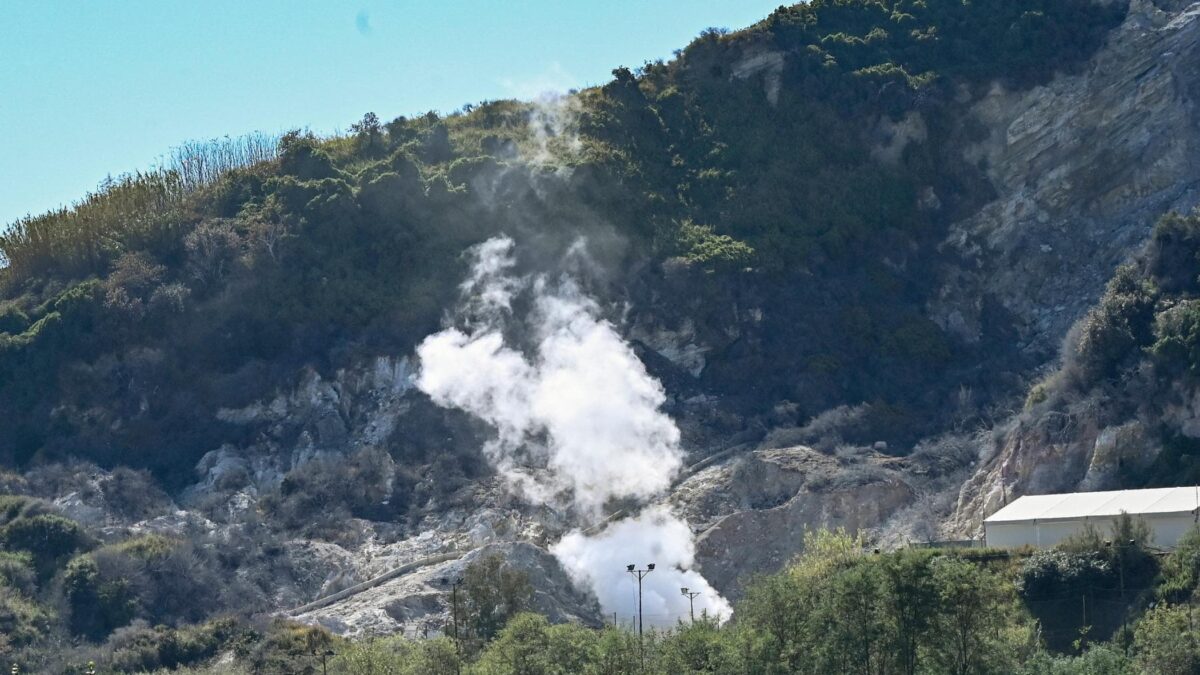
{"x":552,"y":124}
{"x":577,"y":421}
{"x":581,"y":417}
{"x":656,"y":535}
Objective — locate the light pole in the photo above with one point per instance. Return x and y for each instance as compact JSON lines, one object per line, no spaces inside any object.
{"x":323,"y":653}
{"x":454,"y":607}
{"x":640,"y":574}
{"x":1121,"y":571}
{"x":691,"y":596}
{"x":458,"y":581}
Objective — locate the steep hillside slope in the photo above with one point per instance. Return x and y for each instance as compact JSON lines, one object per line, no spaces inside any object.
{"x":846,"y":241}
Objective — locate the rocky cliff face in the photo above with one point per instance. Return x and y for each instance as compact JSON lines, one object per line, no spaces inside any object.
{"x":1081,"y":168}
{"x":1084,"y":171}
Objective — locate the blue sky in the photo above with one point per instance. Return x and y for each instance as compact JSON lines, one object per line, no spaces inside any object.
{"x":94,"y":88}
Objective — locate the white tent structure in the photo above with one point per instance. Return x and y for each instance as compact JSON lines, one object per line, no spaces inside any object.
{"x":1045,"y":520}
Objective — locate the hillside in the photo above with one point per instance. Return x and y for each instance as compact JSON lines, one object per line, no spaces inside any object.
{"x":819,"y":272}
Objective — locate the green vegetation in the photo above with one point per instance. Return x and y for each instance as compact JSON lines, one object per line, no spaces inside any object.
{"x":1138,"y":350}
{"x":1149,"y":311}
{"x":494,"y":593}
{"x":841,"y":609}
{"x":46,"y":538}
{"x":836,"y":609}
{"x":1092,"y":605}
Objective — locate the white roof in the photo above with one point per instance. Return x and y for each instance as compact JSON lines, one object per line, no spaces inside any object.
{"x":1077,"y":505}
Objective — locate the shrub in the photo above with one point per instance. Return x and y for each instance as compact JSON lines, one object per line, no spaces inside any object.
{"x":300,"y":155}
{"x":702,"y":247}
{"x":97,"y":605}
{"x":12,"y":320}
{"x":16,"y":572}
{"x":1174,"y":252}
{"x":1051,"y":572}
{"x":493,"y":592}
{"x":697,"y":647}
{"x":530,"y":645}
{"x":133,"y":494}
{"x":17,"y":506}
{"x":1120,"y":323}
{"x":1165,"y":642}
{"x":48,"y":538}
{"x":213,"y":247}
{"x":22,"y":622}
{"x":1099,"y":659}
{"x":131,"y":282}
{"x":319,"y":494}
{"x":287,"y":647}
{"x":1181,"y":569}
{"x":1176,"y":349}
{"x":138,"y":648}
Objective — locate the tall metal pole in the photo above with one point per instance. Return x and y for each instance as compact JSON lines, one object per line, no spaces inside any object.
{"x":640,"y":574}
{"x":323,"y":653}
{"x":454,"y":609}
{"x":454,"y":616}
{"x":691,"y":596}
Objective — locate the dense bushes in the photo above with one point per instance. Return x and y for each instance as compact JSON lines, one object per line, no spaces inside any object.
{"x":173,"y":581}
{"x":836,"y":609}
{"x":49,"y":539}
{"x":1181,"y":569}
{"x":320,"y":495}
{"x":1177,"y":344}
{"x":98,"y":605}
{"x":1145,"y":330}
{"x":494,"y":592}
{"x":1118,"y":325}
{"x":140,"y":211}
{"x":1167,"y":641}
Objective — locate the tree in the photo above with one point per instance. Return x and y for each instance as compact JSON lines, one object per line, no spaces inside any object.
{"x":1166,"y":643}
{"x":529,"y":645}
{"x":854,"y":641}
{"x":1181,"y":569}
{"x":97,"y":605}
{"x":974,"y":607}
{"x":910,"y":604}
{"x":368,"y":135}
{"x":49,"y":538}
{"x":698,"y":647}
{"x":495,"y":592}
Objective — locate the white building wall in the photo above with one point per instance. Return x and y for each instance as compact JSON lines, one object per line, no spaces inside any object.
{"x":1167,"y":530}
{"x":1010,"y":535}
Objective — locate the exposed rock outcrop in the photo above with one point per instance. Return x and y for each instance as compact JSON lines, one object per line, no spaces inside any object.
{"x":418,"y":603}
{"x":756,"y":508}
{"x":1081,"y":167}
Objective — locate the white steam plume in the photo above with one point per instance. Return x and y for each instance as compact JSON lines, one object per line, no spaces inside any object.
{"x":553,"y":123}
{"x":582,"y":407}
{"x":554,"y":116}
{"x":577,"y":419}
{"x":654,"y":536}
